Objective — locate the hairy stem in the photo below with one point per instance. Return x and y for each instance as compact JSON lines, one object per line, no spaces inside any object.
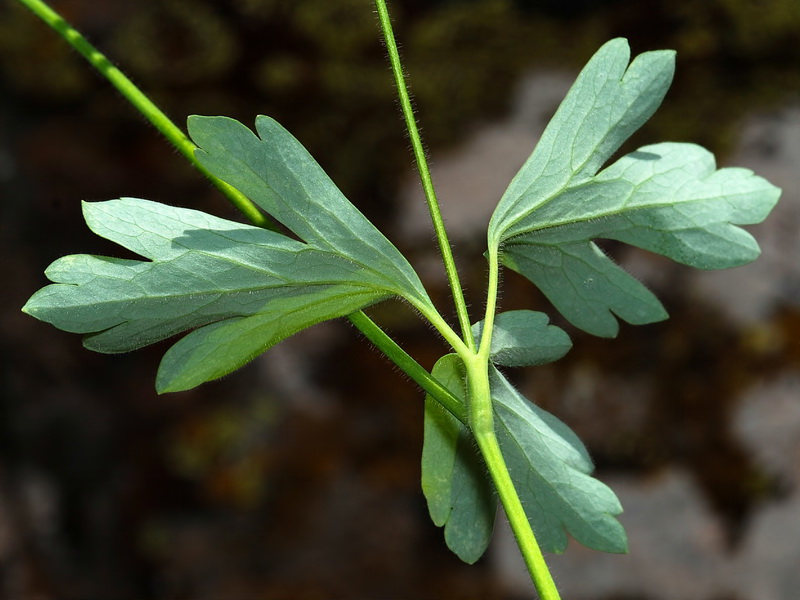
{"x":144,"y":105}
{"x":481,"y":420}
{"x":410,"y":366}
{"x":424,"y":173}
{"x":480,"y":416}
{"x":491,"y":304}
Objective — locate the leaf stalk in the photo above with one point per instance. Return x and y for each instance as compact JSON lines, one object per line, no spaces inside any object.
{"x":481,"y":421}
{"x":491,"y":303}
{"x":411,"y":367}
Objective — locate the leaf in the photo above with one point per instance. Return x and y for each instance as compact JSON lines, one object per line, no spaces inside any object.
{"x":549,"y":465}
{"x":551,"y":471}
{"x":242,"y":288}
{"x":585,"y":286}
{"x":524,"y":338}
{"x":667,"y":198}
{"x":608,"y":102}
{"x":277,"y":173}
{"x":459,"y":494}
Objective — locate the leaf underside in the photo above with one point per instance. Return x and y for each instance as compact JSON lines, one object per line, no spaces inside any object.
{"x":239,"y":289}
{"x":551,"y":470}
{"x":548,"y":463}
{"x":523,"y":338}
{"x":458,"y":491}
{"x":666,"y":198}
{"x":277,"y":173}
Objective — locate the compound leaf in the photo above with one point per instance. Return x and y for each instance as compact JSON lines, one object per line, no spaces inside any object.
{"x":524,"y":338}
{"x":277,"y":173}
{"x":460,"y":496}
{"x":551,"y":470}
{"x":242,"y":288}
{"x":668,"y":198}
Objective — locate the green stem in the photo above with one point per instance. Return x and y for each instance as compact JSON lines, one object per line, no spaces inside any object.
{"x":491,"y":304}
{"x":424,"y":174}
{"x":410,"y":366}
{"x":481,"y":419}
{"x":144,"y":105}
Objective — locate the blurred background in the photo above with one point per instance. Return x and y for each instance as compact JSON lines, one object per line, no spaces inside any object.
{"x":298,"y":476}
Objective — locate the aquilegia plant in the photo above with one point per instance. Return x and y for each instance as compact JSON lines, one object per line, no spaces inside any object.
{"x":236,"y":290}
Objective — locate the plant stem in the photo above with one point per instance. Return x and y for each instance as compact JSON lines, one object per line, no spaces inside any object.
{"x":144,"y":105}
{"x":491,"y":304}
{"x":481,"y":419}
{"x":424,"y":173}
{"x":410,"y":366}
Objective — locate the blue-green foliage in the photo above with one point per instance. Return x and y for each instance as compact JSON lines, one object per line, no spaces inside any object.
{"x":238,"y":290}
{"x":667,"y":198}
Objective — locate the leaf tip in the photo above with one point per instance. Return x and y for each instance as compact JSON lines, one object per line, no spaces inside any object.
{"x":617,"y":43}
{"x":167,"y":383}
{"x":198,"y":128}
{"x":28,"y":309}
{"x":167,"y":387}
{"x":86,"y":209}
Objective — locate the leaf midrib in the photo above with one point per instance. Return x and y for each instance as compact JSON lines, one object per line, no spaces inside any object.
{"x":624,"y":209}
{"x":262,"y":271}
{"x":567,"y":505}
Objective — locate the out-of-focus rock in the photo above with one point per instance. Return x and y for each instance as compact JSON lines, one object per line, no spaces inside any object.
{"x":770,"y":146}
{"x":677,"y":548}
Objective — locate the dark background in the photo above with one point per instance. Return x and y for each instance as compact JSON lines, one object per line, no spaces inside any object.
{"x":298,"y":477}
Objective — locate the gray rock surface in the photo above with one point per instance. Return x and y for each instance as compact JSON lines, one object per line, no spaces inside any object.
{"x":770,"y":146}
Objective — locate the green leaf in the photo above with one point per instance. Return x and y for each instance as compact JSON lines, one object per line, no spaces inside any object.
{"x":277,"y":173}
{"x":667,"y":198}
{"x":608,"y":102}
{"x":586,"y":286}
{"x":524,"y":338}
{"x":549,"y":465}
{"x":551,"y":470}
{"x":242,"y":288}
{"x":459,"y":494}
